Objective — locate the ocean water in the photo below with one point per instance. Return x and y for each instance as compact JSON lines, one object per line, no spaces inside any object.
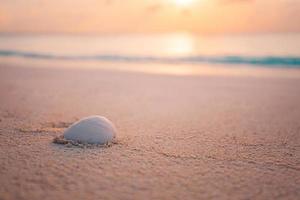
{"x":264,"y":50}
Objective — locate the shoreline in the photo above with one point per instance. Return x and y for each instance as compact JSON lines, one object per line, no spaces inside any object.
{"x":216,"y":70}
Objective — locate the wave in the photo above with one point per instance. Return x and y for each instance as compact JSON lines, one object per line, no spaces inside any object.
{"x":271,"y":61}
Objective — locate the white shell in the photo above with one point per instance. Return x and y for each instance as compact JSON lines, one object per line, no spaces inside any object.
{"x":93,"y":130}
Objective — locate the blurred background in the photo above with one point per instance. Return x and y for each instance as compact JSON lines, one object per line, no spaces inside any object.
{"x":196,"y":33}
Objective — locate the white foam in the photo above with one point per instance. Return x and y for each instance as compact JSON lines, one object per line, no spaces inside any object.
{"x":93,"y":130}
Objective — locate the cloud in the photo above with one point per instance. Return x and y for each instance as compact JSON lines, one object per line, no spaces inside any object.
{"x":108,"y":2}
{"x":154,"y":8}
{"x":235,"y":1}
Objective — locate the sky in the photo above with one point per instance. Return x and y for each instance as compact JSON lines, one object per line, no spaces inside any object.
{"x":149,"y":16}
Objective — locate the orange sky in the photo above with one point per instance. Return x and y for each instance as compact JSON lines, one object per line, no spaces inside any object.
{"x":115,"y":16}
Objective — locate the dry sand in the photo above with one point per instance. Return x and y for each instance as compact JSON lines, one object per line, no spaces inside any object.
{"x":179,"y":137}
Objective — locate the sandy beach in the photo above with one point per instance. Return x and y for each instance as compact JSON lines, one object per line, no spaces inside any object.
{"x":179,"y":137}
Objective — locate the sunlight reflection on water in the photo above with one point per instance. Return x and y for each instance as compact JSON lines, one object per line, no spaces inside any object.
{"x":177,"y":54}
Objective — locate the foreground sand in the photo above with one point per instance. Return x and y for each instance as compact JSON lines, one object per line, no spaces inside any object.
{"x":180,"y":137}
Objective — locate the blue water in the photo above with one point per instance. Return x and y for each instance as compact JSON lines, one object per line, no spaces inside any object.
{"x":266,"y":61}
{"x":254,"y":50}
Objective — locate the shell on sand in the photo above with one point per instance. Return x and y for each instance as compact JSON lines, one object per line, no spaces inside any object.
{"x":93,"y":130}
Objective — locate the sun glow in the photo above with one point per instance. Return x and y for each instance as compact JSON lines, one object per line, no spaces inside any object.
{"x":183,"y":2}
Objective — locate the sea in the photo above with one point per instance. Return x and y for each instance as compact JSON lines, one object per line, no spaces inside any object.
{"x":173,"y":49}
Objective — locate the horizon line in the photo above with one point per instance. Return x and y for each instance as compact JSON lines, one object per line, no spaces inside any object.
{"x":144,"y":33}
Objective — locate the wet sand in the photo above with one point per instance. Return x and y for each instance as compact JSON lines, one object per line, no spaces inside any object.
{"x":179,"y":137}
